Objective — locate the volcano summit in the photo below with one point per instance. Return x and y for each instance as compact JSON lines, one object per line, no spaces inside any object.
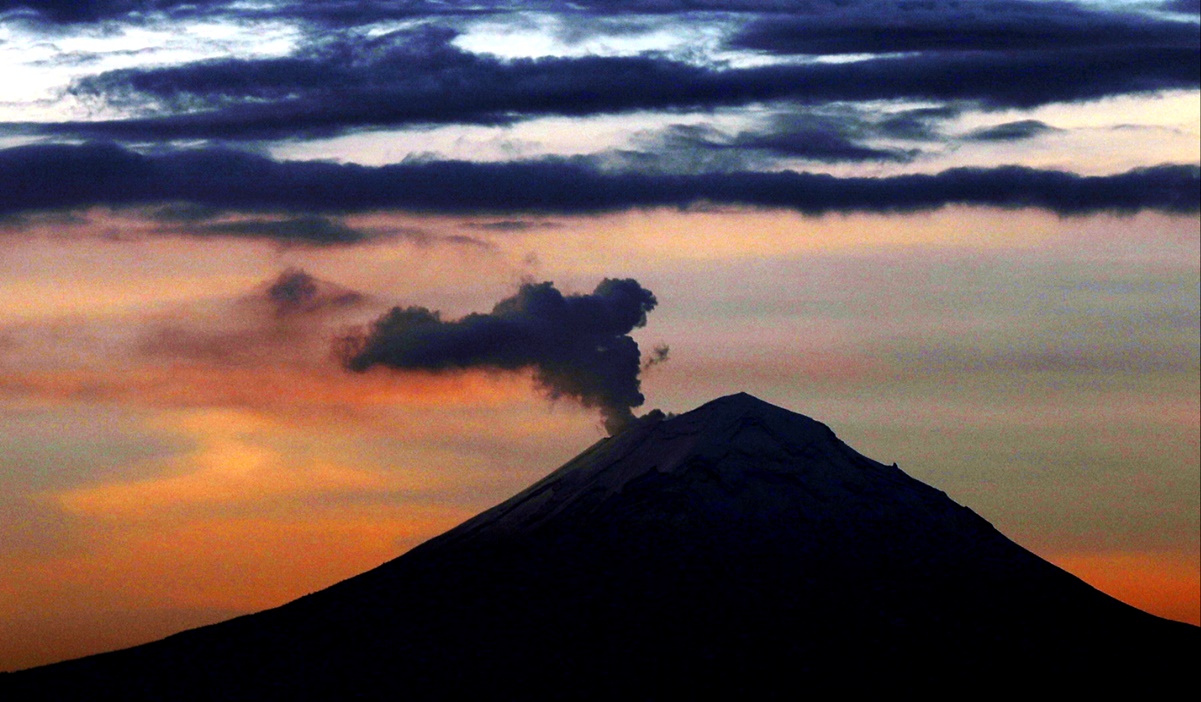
{"x":738,"y":549}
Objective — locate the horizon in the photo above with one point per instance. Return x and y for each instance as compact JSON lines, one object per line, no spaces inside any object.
{"x":287,"y":289}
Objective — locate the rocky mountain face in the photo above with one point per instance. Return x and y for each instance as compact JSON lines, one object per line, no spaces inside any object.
{"x":738,"y":549}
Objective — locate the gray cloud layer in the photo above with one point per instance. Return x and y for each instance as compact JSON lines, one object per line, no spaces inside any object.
{"x":995,"y":53}
{"x":350,"y":73}
{"x":420,"y":78}
{"x":54,"y":177}
{"x":1008,"y":26}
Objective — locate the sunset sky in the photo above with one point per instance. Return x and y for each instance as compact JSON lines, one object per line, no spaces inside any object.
{"x":965,"y":235}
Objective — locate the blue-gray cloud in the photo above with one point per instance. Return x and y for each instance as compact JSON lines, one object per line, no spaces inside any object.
{"x":322,"y":12}
{"x":991,"y":54}
{"x":917,"y":124}
{"x":305,"y":230}
{"x":1006,"y":26}
{"x":1188,"y":7}
{"x":840,"y":137}
{"x":413,"y":78}
{"x":60,"y":177}
{"x":1012,"y":131}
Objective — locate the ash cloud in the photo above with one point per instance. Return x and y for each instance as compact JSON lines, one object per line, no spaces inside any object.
{"x":658,"y":355}
{"x":577,"y":345}
{"x":288,"y":318}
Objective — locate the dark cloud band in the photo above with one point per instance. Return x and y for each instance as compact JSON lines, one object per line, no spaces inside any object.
{"x":1190,"y":7}
{"x":58,"y":177}
{"x":332,"y":93}
{"x":873,"y":27}
{"x":1011,"y":131}
{"x":328,"y":12}
{"x":991,"y":53}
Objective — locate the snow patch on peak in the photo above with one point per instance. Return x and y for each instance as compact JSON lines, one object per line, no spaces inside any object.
{"x":737,"y":427}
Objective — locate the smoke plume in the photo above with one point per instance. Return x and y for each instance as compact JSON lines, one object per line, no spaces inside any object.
{"x":577,"y":345}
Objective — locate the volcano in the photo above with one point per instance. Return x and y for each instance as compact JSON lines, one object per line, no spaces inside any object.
{"x":736,"y":550}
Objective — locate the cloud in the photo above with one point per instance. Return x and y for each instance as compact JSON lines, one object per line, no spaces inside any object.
{"x":72,"y":11}
{"x":295,"y":291}
{"x":1187,"y":7}
{"x":340,"y":13}
{"x":512,"y":225}
{"x":268,"y":349}
{"x":698,"y":148}
{"x":301,"y":230}
{"x":327,"y":12}
{"x":918,"y":124}
{"x":419,"y":77}
{"x":658,"y":355}
{"x":310,"y":230}
{"x":59,"y":220}
{"x":1012,"y":131}
{"x":59,"y":177}
{"x":577,"y":345}
{"x":185,"y":212}
{"x":872,"y":27}
{"x":818,"y":144}
{"x":423,"y":238}
{"x":826,"y":15}
{"x":831,"y":137}
{"x":287,"y":319}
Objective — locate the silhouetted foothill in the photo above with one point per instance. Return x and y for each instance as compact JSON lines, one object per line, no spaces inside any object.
{"x":738,"y":551}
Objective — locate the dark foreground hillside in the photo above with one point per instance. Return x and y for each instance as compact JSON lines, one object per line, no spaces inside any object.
{"x":738,"y":549}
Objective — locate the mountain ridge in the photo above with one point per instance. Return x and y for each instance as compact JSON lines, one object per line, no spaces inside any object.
{"x":738,"y":548}
{"x":694,"y":434}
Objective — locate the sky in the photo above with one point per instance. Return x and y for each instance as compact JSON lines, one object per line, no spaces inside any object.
{"x":287,"y":288}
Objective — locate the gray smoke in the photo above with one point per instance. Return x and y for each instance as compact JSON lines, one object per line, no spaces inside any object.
{"x":578,"y":345}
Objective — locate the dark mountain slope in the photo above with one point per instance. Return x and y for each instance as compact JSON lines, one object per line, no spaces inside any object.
{"x":738,"y":549}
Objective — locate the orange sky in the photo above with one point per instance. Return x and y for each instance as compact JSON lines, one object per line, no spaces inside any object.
{"x":178,"y":447}
{"x":1043,"y":371}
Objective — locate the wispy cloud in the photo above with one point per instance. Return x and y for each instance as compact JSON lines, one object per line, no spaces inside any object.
{"x":1012,"y":131}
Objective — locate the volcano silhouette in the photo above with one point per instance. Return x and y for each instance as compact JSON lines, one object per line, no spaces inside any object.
{"x":739,"y":551}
